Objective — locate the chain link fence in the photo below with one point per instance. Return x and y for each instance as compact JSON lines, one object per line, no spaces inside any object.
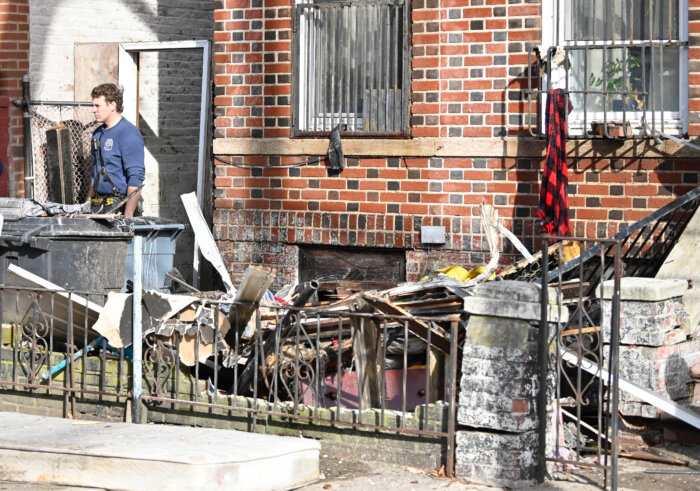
{"x":80,"y":123}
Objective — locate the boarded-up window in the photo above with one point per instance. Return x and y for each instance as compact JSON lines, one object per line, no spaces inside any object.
{"x":337,"y":264}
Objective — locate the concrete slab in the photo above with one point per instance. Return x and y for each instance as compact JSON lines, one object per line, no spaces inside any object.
{"x":129,"y":456}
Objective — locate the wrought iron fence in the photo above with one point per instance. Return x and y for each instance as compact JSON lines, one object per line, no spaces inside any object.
{"x":47,"y":342}
{"x":366,"y":372}
{"x":583,"y":357}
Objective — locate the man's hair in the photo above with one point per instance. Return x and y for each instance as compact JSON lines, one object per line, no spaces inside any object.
{"x":111,"y":93}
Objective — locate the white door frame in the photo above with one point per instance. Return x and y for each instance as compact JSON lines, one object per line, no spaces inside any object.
{"x":129,"y":54}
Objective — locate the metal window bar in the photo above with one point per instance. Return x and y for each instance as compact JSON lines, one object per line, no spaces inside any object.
{"x":635,"y":82}
{"x":351,"y":61}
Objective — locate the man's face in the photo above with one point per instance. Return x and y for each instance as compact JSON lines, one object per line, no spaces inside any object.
{"x":102,"y":109}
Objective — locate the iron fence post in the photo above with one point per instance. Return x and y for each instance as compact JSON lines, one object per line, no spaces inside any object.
{"x":452,"y":419}
{"x":542,"y":358}
{"x":615,"y":362}
{"x":136,"y":364}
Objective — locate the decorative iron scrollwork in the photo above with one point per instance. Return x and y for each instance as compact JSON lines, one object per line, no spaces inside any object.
{"x":160,"y":362}
{"x":34,"y":350}
{"x":581,"y":336}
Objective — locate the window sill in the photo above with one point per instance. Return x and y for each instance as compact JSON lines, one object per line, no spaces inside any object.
{"x":452,"y":147}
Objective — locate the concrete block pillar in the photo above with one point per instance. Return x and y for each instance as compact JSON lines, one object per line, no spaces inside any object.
{"x":497,"y":443}
{"x":658,"y":346}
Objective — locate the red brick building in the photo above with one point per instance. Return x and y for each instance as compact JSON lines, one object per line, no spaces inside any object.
{"x":14,"y":63}
{"x":433,"y":103}
{"x":467,"y":137}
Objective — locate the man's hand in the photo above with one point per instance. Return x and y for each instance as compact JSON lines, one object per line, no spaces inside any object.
{"x":130,"y":206}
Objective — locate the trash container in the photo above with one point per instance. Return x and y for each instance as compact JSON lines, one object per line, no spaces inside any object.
{"x":74,"y":253}
{"x":159,"y":239}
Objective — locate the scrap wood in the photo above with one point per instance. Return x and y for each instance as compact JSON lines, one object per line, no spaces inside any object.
{"x":425,"y":286}
{"x":205,"y":240}
{"x":414,"y":325}
{"x":584,"y":330}
{"x":652,"y":458}
{"x":255,"y":283}
{"x":450,"y":303}
{"x":525,"y":263}
{"x":489,"y":222}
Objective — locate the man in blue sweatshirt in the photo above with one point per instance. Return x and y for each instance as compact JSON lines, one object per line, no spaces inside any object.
{"x":118,"y":155}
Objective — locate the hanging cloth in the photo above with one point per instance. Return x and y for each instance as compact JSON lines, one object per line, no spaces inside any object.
{"x":554,"y":205}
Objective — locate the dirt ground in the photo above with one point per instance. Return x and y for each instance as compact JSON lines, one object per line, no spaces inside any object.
{"x":348,"y":475}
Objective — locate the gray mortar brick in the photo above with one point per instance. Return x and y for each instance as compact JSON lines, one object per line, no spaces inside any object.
{"x":496,"y":413}
{"x":502,"y":459}
{"x":644,"y":323}
{"x":636,"y":364}
{"x":505,"y":355}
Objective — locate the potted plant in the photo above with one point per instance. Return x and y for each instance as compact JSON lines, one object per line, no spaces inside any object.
{"x":619,"y":77}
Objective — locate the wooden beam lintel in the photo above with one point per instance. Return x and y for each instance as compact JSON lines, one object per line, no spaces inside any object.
{"x":453,"y":147}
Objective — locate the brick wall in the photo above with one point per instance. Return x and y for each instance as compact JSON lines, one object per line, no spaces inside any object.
{"x":58,"y":26}
{"x":469,"y":72}
{"x":382,"y":202}
{"x":4,"y":145}
{"x":14,"y":63}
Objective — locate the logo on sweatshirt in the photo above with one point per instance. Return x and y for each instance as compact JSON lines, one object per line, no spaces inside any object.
{"x":109,"y":144}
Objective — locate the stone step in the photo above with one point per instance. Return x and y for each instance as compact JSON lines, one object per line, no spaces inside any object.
{"x":130,"y":456}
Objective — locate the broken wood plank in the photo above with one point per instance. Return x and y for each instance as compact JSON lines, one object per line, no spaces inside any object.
{"x":585,"y":330}
{"x":415,"y":326}
{"x":364,"y":352}
{"x":436,"y":367}
{"x":652,"y":458}
{"x":205,"y":240}
{"x":255,"y":283}
{"x":425,"y":286}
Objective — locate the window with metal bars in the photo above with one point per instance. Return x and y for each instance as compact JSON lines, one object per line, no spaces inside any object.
{"x":625,"y":64}
{"x":351,"y":67}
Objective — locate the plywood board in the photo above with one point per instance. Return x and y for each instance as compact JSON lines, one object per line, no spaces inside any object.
{"x":95,"y":63}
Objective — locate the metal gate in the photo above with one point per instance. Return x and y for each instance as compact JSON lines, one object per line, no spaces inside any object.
{"x":579,"y":359}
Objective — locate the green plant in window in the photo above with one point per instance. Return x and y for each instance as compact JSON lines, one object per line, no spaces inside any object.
{"x":621,"y":77}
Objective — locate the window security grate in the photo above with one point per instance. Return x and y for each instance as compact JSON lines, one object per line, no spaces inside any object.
{"x":351,"y":67}
{"x":625,"y":67}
